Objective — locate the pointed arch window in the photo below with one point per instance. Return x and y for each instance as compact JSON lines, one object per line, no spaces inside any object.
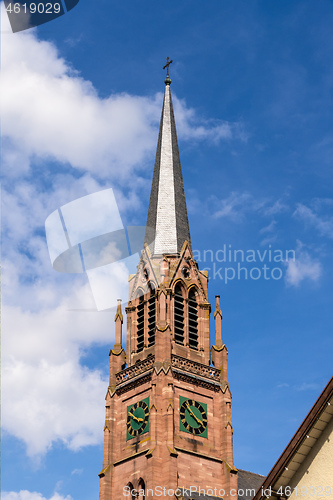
{"x":130,"y":489}
{"x":141,"y":489}
{"x":193,"y":319}
{"x":140,"y":325}
{"x":151,"y":318}
{"x":179,"y":315}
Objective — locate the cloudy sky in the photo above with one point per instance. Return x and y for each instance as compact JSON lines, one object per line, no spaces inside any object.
{"x":252,"y":86}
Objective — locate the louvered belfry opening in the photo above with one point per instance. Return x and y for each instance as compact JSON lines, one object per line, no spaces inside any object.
{"x":141,"y":325}
{"x":193,"y":320}
{"x":151,"y":318}
{"x":179,"y":315}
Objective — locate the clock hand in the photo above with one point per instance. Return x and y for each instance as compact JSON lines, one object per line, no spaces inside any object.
{"x":193,"y":414}
{"x":138,"y":419}
{"x":196,"y":418}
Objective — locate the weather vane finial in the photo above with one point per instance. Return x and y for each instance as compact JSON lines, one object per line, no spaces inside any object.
{"x":167,"y":81}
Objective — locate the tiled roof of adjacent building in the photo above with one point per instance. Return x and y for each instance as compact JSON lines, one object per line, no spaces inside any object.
{"x":248,"y":484}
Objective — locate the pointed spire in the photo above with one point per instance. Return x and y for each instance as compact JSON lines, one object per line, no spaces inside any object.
{"x":119,"y":322}
{"x":218,"y":322}
{"x":167,"y":221}
{"x":118,"y":312}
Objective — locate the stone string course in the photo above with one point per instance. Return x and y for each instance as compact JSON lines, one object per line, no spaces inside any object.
{"x":178,"y":362}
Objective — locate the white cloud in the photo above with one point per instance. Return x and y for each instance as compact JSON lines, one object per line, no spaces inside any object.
{"x":322,"y":223}
{"x":30,"y":495}
{"x":268,"y":229}
{"x":77,"y":472}
{"x":278,"y":207}
{"x":50,"y":111}
{"x":269,"y":232}
{"x":191,"y":127}
{"x":282,"y":385}
{"x":237,"y":204}
{"x":304,"y":267}
{"x":54,"y":121}
{"x":43,"y":337}
{"x":306,"y":386}
{"x":28,"y":278}
{"x":47,"y":394}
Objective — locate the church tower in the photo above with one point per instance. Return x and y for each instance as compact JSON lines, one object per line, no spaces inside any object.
{"x":168,"y":405}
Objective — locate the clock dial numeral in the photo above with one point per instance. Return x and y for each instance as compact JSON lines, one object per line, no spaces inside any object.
{"x":193,"y":417}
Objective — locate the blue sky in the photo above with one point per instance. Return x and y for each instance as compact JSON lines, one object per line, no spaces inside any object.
{"x":252,"y":88}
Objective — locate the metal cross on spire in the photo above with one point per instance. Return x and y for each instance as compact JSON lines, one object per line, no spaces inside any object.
{"x":167,"y":81}
{"x":167,"y":66}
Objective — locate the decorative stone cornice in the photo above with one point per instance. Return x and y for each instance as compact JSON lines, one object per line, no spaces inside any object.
{"x":217,"y":312}
{"x":195,"y":380}
{"x":205,"y":305}
{"x":149,"y":453}
{"x":130,"y":308}
{"x":229,"y":424}
{"x":217,"y":307}
{"x":111,"y":390}
{"x":116,"y":353}
{"x":172,"y":452}
{"x":195,"y":368}
{"x":159,"y":366}
{"x":135,"y":370}
{"x":219,"y":348}
{"x":230,"y":467}
{"x":104,"y":471}
{"x":135,"y":383}
{"x":198,"y":454}
{"x":118,"y":462}
{"x":170,"y":405}
{"x":119,"y":313}
{"x":224,"y":386}
{"x":162,"y":328}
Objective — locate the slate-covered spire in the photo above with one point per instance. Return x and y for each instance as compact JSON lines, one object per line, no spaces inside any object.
{"x":167,"y":221}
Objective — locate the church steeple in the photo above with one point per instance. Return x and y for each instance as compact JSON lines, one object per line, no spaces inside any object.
{"x":167,"y":221}
{"x":168,"y":405}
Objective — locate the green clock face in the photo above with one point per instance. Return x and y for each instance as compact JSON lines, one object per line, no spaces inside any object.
{"x":193,"y":417}
{"x":137,"y":418}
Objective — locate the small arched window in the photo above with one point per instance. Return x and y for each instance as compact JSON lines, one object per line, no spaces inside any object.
{"x":179,"y":315}
{"x":141,"y":489}
{"x":130,"y":490}
{"x":140,"y":325}
{"x":151,"y":318}
{"x":193,"y":319}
